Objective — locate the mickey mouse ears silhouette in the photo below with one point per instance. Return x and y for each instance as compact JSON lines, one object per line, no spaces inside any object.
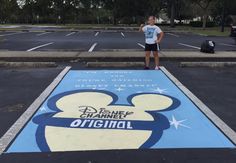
{"x":69,"y":101}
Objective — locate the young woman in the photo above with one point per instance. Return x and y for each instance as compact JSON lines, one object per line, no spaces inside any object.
{"x":153,"y":37}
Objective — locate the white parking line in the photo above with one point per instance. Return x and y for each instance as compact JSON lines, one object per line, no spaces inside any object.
{"x":9,"y":34}
{"x":190,"y":46}
{"x":92,"y":47}
{"x":141,"y":45}
{"x":32,"y":49}
{"x":230,"y":45}
{"x":96,"y":34}
{"x":43,"y":33}
{"x":122,"y":34}
{"x":171,"y":34}
{"x":70,"y":34}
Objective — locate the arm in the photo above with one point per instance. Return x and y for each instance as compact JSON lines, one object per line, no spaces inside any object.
{"x":141,"y":28}
{"x":161,"y":35}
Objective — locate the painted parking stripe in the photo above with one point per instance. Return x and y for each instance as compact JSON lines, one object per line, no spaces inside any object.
{"x":17,"y":126}
{"x":37,"y":47}
{"x":141,"y":45}
{"x":10,"y":34}
{"x":122,"y":34}
{"x":171,"y":34}
{"x":190,"y":46}
{"x":229,"y":45}
{"x":41,"y":34}
{"x":72,"y":33}
{"x":92,"y":47}
{"x":96,"y":34}
{"x":125,"y":109}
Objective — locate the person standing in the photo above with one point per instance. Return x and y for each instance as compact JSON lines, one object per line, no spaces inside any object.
{"x":153,"y":38}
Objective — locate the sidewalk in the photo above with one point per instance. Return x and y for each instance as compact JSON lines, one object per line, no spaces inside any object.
{"x":19,"y":56}
{"x":166,"y":55}
{"x":16,"y":56}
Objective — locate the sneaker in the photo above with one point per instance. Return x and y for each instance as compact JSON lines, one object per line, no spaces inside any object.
{"x":157,"y":68}
{"x":146,"y":68}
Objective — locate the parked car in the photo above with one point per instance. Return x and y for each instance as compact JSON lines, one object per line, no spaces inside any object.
{"x":233,"y":32}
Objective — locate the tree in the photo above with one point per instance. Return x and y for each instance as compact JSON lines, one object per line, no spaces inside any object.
{"x":132,"y":10}
{"x":184,"y":10}
{"x":3,"y":11}
{"x":204,"y":5}
{"x":170,"y":8}
{"x":222,"y":10}
{"x":8,"y":11}
{"x":172,"y":18}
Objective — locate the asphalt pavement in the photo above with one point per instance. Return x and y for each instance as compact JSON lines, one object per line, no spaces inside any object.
{"x":212,"y":85}
{"x":18,"y":89}
{"x":91,"y":40}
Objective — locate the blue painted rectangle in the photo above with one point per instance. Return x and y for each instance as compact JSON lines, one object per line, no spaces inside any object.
{"x":102,"y":110}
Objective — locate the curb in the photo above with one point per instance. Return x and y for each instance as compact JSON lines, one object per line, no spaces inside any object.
{"x":162,"y":58}
{"x":113,"y":56}
{"x":115,"y":64}
{"x":208,"y":64}
{"x":114,"y":59}
{"x":38,"y":59}
{"x":28,"y":64}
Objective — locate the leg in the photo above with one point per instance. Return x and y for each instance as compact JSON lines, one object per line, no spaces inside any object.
{"x":155,"y":54}
{"x":147,"y":58}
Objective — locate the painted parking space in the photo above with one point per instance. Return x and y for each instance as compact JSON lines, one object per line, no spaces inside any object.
{"x":105,"y":110}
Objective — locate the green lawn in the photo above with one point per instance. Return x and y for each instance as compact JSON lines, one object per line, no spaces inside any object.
{"x":214,"y":31}
{"x":211,"y":31}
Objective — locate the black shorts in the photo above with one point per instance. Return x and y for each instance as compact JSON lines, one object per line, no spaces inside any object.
{"x":151,"y":47}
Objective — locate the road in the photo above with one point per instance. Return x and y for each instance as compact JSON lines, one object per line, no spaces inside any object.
{"x":103,"y":41}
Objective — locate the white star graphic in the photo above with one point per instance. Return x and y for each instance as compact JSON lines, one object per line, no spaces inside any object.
{"x":176,"y":123}
{"x":43,"y":109}
{"x":119,"y":89}
{"x":161,"y":91}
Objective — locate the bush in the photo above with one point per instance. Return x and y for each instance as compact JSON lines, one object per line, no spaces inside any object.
{"x":200,"y":23}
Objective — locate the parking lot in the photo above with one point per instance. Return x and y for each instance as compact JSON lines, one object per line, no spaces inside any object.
{"x":77,"y":84}
{"x":213,"y":86}
{"x":103,"y":41}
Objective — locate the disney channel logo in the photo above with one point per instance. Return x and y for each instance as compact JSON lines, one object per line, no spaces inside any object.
{"x":102,"y":113}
